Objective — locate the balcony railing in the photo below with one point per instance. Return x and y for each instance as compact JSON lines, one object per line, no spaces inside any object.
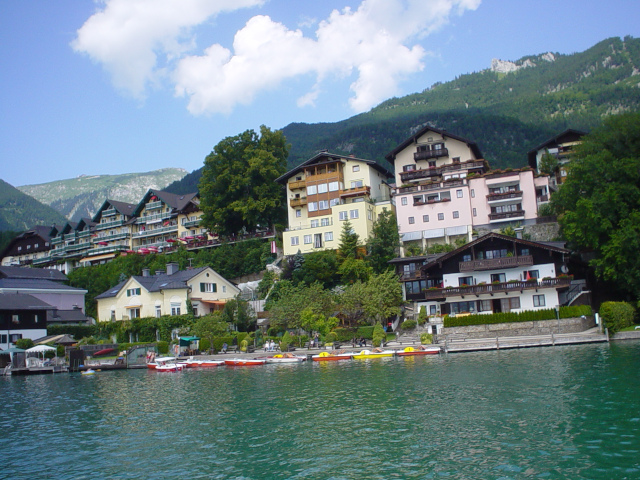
{"x":154,"y":205}
{"x":296,"y":184}
{"x":84,"y":234}
{"x":154,"y":218}
{"x":298,"y":202}
{"x":105,"y":225}
{"x":491,"y":288}
{"x":493,"y":197}
{"x":426,"y":154}
{"x":505,"y":215}
{"x":107,"y":249}
{"x":428,"y":202}
{"x":109,"y":212}
{"x":156,"y":231}
{"x":191,"y":223}
{"x":356,"y":191}
{"x":496,"y":263}
{"x":111,"y":238}
{"x":57,"y":240}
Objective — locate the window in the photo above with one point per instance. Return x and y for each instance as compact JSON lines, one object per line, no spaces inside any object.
{"x":356,"y":183}
{"x":353,"y":213}
{"x":441,"y":216}
{"x":539,"y":301}
{"x":298,"y":213}
{"x":369,"y":214}
{"x":344,"y":215}
{"x":466,"y":258}
{"x":175,"y":309}
{"x":473,"y":193}
{"x":224,"y":289}
{"x":3,"y":338}
{"x":459,"y":193}
{"x":404,"y":200}
{"x":36,"y":318}
{"x":323,"y":188}
{"x":313,"y":206}
{"x":113,"y":315}
{"x":531,"y":274}
{"x":498,"y":277}
{"x":334,"y":201}
{"x":408,"y":168}
{"x":456,"y":159}
{"x":525,"y":251}
{"x":484,"y":305}
{"x":328,"y":236}
{"x":475,"y":212}
{"x":36,"y":245}
{"x":208,"y":287}
{"x":295,"y":241}
{"x":132,"y":292}
{"x":334,"y":186}
{"x":15,"y":319}
{"x":412,"y":220}
{"x":317,"y":240}
{"x":465,"y":281}
{"x":456,"y":214}
{"x":195,"y":311}
{"x":432,"y":164}
{"x":324,"y":222}
{"x":158,"y":312}
{"x":315,"y":223}
{"x":433,"y":309}
{"x":508,"y":304}
{"x":307,"y":239}
{"x":425,"y":218}
{"x":355,"y":168}
{"x":135,"y":313}
{"x":323,"y":205}
{"x":460,"y":307}
{"x":312,"y":189}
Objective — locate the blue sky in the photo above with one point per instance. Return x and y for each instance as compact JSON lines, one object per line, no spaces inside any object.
{"x":120,"y":86}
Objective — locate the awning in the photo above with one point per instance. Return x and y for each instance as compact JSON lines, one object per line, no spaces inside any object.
{"x":132,"y":306}
{"x":106,"y":256}
{"x":186,"y":341}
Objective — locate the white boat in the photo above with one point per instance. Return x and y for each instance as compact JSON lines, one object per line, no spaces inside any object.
{"x":167,"y":364}
{"x":285,"y":358}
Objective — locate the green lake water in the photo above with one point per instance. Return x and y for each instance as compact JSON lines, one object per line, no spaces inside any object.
{"x":558,"y":412}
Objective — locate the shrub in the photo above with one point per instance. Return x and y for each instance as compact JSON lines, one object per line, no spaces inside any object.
{"x":408,"y":325}
{"x":205,"y":344}
{"x":617,"y":315}
{"x":24,"y":343}
{"x":285,"y":342}
{"x":379,"y":335}
{"x":422,"y":316}
{"x":426,"y":338}
{"x":163,"y":347}
{"x":244,"y":345}
{"x":330,"y":337}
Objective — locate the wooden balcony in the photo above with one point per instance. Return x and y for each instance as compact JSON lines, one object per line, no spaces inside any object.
{"x":495,"y":217}
{"x":355,"y":192}
{"x":298,"y":202}
{"x":515,"y":195}
{"x":492,"y":288}
{"x":297,"y":184}
{"x":427,"y":154}
{"x":496,"y":263}
{"x":429,"y":202}
{"x":418,"y":174}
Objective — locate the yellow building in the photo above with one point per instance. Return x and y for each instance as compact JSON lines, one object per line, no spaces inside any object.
{"x":166,"y":294}
{"x":327,"y":190}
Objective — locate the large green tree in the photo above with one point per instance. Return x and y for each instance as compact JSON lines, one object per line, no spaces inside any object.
{"x":384,"y":243}
{"x":349,"y":241}
{"x":384,"y":297}
{"x":238,"y":189}
{"x":599,"y":203}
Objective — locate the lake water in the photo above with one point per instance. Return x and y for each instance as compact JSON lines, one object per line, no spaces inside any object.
{"x":557,"y":412}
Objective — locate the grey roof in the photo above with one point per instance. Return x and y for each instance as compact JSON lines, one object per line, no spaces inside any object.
{"x":35,"y":273}
{"x":35,"y":284}
{"x":21,"y":301}
{"x":156,"y":283}
{"x":74,"y":315}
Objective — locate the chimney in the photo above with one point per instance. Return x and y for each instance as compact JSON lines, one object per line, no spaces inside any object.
{"x":172,"y":268}
{"x":146,"y":272}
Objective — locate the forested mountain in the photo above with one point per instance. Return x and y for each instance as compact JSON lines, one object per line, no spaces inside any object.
{"x":19,"y":212}
{"x":82,"y":196}
{"x":507,"y":109}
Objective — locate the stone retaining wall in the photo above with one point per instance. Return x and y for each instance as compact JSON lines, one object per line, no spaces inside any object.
{"x":538,"y":327}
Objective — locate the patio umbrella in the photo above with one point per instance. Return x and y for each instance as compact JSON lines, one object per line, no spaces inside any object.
{"x":41,"y":349}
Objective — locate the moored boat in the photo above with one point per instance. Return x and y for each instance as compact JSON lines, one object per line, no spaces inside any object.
{"x":375,"y":353}
{"x":285,"y":358}
{"x":329,"y":357}
{"x":203,"y":363}
{"x":159,"y":361}
{"x":421,"y":350}
{"x":241,"y":362}
{"x":166,"y":364}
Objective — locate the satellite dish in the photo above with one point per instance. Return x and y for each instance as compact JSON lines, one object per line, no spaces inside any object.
{"x":564,"y":269}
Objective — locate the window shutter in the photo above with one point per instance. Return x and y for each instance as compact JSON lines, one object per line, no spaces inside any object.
{"x":202,"y":287}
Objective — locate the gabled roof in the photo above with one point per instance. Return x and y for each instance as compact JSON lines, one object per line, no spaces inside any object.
{"x":123,"y":208}
{"x":176,"y":201}
{"x":84,"y":223}
{"x":414,"y":138}
{"x":31,"y":284}
{"x":326,"y":157}
{"x":156,"y":283}
{"x":493,"y":235}
{"x":39,"y":231}
{"x":32,"y":273}
{"x":569,"y":135}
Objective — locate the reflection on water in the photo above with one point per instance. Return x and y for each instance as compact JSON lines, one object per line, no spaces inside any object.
{"x":563,"y":412}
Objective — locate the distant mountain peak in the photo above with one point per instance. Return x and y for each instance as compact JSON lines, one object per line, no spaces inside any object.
{"x":506,"y":66}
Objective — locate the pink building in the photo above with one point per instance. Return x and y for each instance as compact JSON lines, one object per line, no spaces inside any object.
{"x":444,"y":190}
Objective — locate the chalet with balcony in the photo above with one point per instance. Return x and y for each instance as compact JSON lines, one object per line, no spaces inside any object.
{"x":166,"y":293}
{"x":327,"y":190}
{"x":444,"y":189}
{"x":561,"y":147}
{"x":28,"y":248}
{"x":494,"y":273}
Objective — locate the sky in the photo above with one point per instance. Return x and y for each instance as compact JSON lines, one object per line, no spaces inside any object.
{"x":122,"y":86}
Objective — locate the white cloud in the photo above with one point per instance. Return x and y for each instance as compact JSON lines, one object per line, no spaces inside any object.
{"x":376,"y":44}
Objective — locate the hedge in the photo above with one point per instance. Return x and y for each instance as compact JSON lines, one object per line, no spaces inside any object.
{"x":617,"y":315}
{"x":514,"y":317}
{"x":347,"y":334}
